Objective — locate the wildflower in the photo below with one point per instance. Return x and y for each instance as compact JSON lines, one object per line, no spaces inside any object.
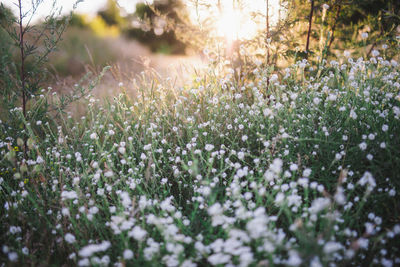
{"x":319,"y":204}
{"x":364,"y":35}
{"x":375,"y":53}
{"x":331,"y":247}
{"x":39,"y":160}
{"x":93,"y":136}
{"x":209,"y":147}
{"x":363,"y":146}
{"x":293,"y":167}
{"x":121,"y":150}
{"x":138,"y":233}
{"x":70,"y":238}
{"x":108,"y":173}
{"x":128,"y":254}
{"x":13,"y":256}
{"x":25,"y":251}
{"x":294,"y":259}
{"x":89,"y":250}
{"x":69,"y":195}
{"x":367,"y":179}
{"x":219,"y":258}
{"x":353,"y":114}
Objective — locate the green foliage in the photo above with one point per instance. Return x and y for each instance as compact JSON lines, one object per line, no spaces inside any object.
{"x":112,"y":14}
{"x":304,"y":173}
{"x":157,"y":29}
{"x":25,"y":52}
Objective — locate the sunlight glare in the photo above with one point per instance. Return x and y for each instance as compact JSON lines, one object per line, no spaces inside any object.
{"x":236,"y":20}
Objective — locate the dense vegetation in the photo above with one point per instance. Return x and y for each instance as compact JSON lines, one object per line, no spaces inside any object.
{"x":273,"y":167}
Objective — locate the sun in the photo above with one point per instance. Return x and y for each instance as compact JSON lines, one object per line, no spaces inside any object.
{"x":238,"y":20}
{"x":233,"y":25}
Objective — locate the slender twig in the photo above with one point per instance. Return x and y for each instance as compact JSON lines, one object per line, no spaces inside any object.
{"x":309,"y":27}
{"x":334,"y":26}
{"x":267,"y":35}
{"x":22,"y":74}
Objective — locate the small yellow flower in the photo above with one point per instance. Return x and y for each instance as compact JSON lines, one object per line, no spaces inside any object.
{"x":16,"y":148}
{"x":26,"y":181}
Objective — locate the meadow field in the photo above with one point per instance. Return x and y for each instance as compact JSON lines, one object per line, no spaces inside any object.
{"x":304,"y":174}
{"x":234,"y":157}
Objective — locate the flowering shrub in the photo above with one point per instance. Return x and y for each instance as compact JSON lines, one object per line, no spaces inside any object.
{"x":300,"y":169}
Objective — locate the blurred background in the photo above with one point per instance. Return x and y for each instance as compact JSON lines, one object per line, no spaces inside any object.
{"x":174,"y":37}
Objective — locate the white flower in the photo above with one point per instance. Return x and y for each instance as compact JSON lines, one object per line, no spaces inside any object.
{"x":294,"y":259}
{"x":84,"y":262}
{"x":70,"y":238}
{"x":331,"y":247}
{"x":121,"y":150}
{"x":353,"y":114}
{"x":215,"y":209}
{"x":273,"y":78}
{"x":316,"y":100}
{"x":219,"y":258}
{"x":69,"y":195}
{"x":128,"y":254}
{"x":89,"y":250}
{"x":375,"y":53}
{"x":13,"y":256}
{"x":138,"y":233}
{"x":93,"y":136}
{"x":108,"y":174}
{"x":325,"y":6}
{"x":280,"y":197}
{"x":385,"y":127}
{"x":363,"y":146}
{"x":307,"y":172}
{"x":25,"y":251}
{"x":39,"y":160}
{"x":367,"y":179}
{"x":364,"y":35}
{"x":315,"y":262}
{"x":319,"y":204}
{"x":276,"y":166}
{"x":293,"y":167}
{"x":209,"y":147}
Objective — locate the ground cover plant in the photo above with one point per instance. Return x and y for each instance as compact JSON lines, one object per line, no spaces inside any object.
{"x":305,"y":173}
{"x":246,"y":164}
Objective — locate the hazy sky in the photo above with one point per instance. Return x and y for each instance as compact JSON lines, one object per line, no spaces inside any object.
{"x":87,"y":6}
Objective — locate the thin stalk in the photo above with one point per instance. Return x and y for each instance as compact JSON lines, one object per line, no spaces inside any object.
{"x":22,"y":75}
{"x":267,"y":37}
{"x":267,"y":31}
{"x":309,"y":27}
{"x":334,"y":26}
